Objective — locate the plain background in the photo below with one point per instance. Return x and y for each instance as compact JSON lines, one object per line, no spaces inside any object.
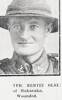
{"x":52,"y":41}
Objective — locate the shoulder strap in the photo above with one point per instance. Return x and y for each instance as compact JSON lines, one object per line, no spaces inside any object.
{"x":4,"y":65}
{"x":54,"y":60}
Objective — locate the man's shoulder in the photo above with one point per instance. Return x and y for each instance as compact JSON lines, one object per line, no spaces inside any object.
{"x":53,"y":58}
{"x":4,"y":65}
{"x":4,"y":61}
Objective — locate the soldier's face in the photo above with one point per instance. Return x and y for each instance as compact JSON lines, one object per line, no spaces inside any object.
{"x":27,"y":34}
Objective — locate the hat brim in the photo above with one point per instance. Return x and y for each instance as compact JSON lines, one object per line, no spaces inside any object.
{"x":49,"y":19}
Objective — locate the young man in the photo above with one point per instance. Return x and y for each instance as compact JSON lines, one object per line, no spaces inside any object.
{"x":29,"y":22}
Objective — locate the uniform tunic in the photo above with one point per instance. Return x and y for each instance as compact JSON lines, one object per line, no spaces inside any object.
{"x":44,"y":65}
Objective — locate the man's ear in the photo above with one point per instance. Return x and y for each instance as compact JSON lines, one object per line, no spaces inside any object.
{"x":49,"y":28}
{"x":52,"y":27}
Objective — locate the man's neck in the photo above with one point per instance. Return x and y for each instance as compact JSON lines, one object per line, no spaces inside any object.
{"x":33,"y":58}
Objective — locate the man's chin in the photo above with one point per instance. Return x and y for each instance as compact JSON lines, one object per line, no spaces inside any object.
{"x":26,"y":53}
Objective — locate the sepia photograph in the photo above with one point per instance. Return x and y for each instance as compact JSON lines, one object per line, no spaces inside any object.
{"x":30,"y":38}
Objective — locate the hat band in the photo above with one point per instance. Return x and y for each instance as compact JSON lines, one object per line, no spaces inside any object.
{"x":36,"y":11}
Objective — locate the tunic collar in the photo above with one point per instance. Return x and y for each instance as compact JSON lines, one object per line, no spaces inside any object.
{"x":40,"y":66}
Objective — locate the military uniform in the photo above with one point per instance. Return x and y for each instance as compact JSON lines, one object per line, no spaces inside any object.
{"x":46,"y":64}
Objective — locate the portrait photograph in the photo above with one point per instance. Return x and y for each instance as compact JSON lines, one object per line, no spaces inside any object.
{"x":30,"y":38}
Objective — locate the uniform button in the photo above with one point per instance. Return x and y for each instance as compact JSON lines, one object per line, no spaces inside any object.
{"x":21,"y":69}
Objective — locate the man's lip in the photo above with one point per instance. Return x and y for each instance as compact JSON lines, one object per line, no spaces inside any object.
{"x":24,"y":43}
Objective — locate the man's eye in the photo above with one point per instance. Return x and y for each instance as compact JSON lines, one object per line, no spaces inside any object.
{"x":33,"y":27}
{"x":16,"y":27}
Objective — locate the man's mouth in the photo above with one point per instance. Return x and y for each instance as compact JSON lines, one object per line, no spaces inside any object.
{"x":24,"y":43}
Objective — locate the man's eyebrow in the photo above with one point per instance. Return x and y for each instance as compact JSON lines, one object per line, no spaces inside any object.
{"x":33,"y":22}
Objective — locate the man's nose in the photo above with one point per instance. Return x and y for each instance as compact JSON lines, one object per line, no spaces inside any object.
{"x":25,"y":33}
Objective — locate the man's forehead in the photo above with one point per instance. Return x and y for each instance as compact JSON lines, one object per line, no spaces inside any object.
{"x":26,"y":18}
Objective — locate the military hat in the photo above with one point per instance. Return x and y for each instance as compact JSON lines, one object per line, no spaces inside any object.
{"x":30,"y":8}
